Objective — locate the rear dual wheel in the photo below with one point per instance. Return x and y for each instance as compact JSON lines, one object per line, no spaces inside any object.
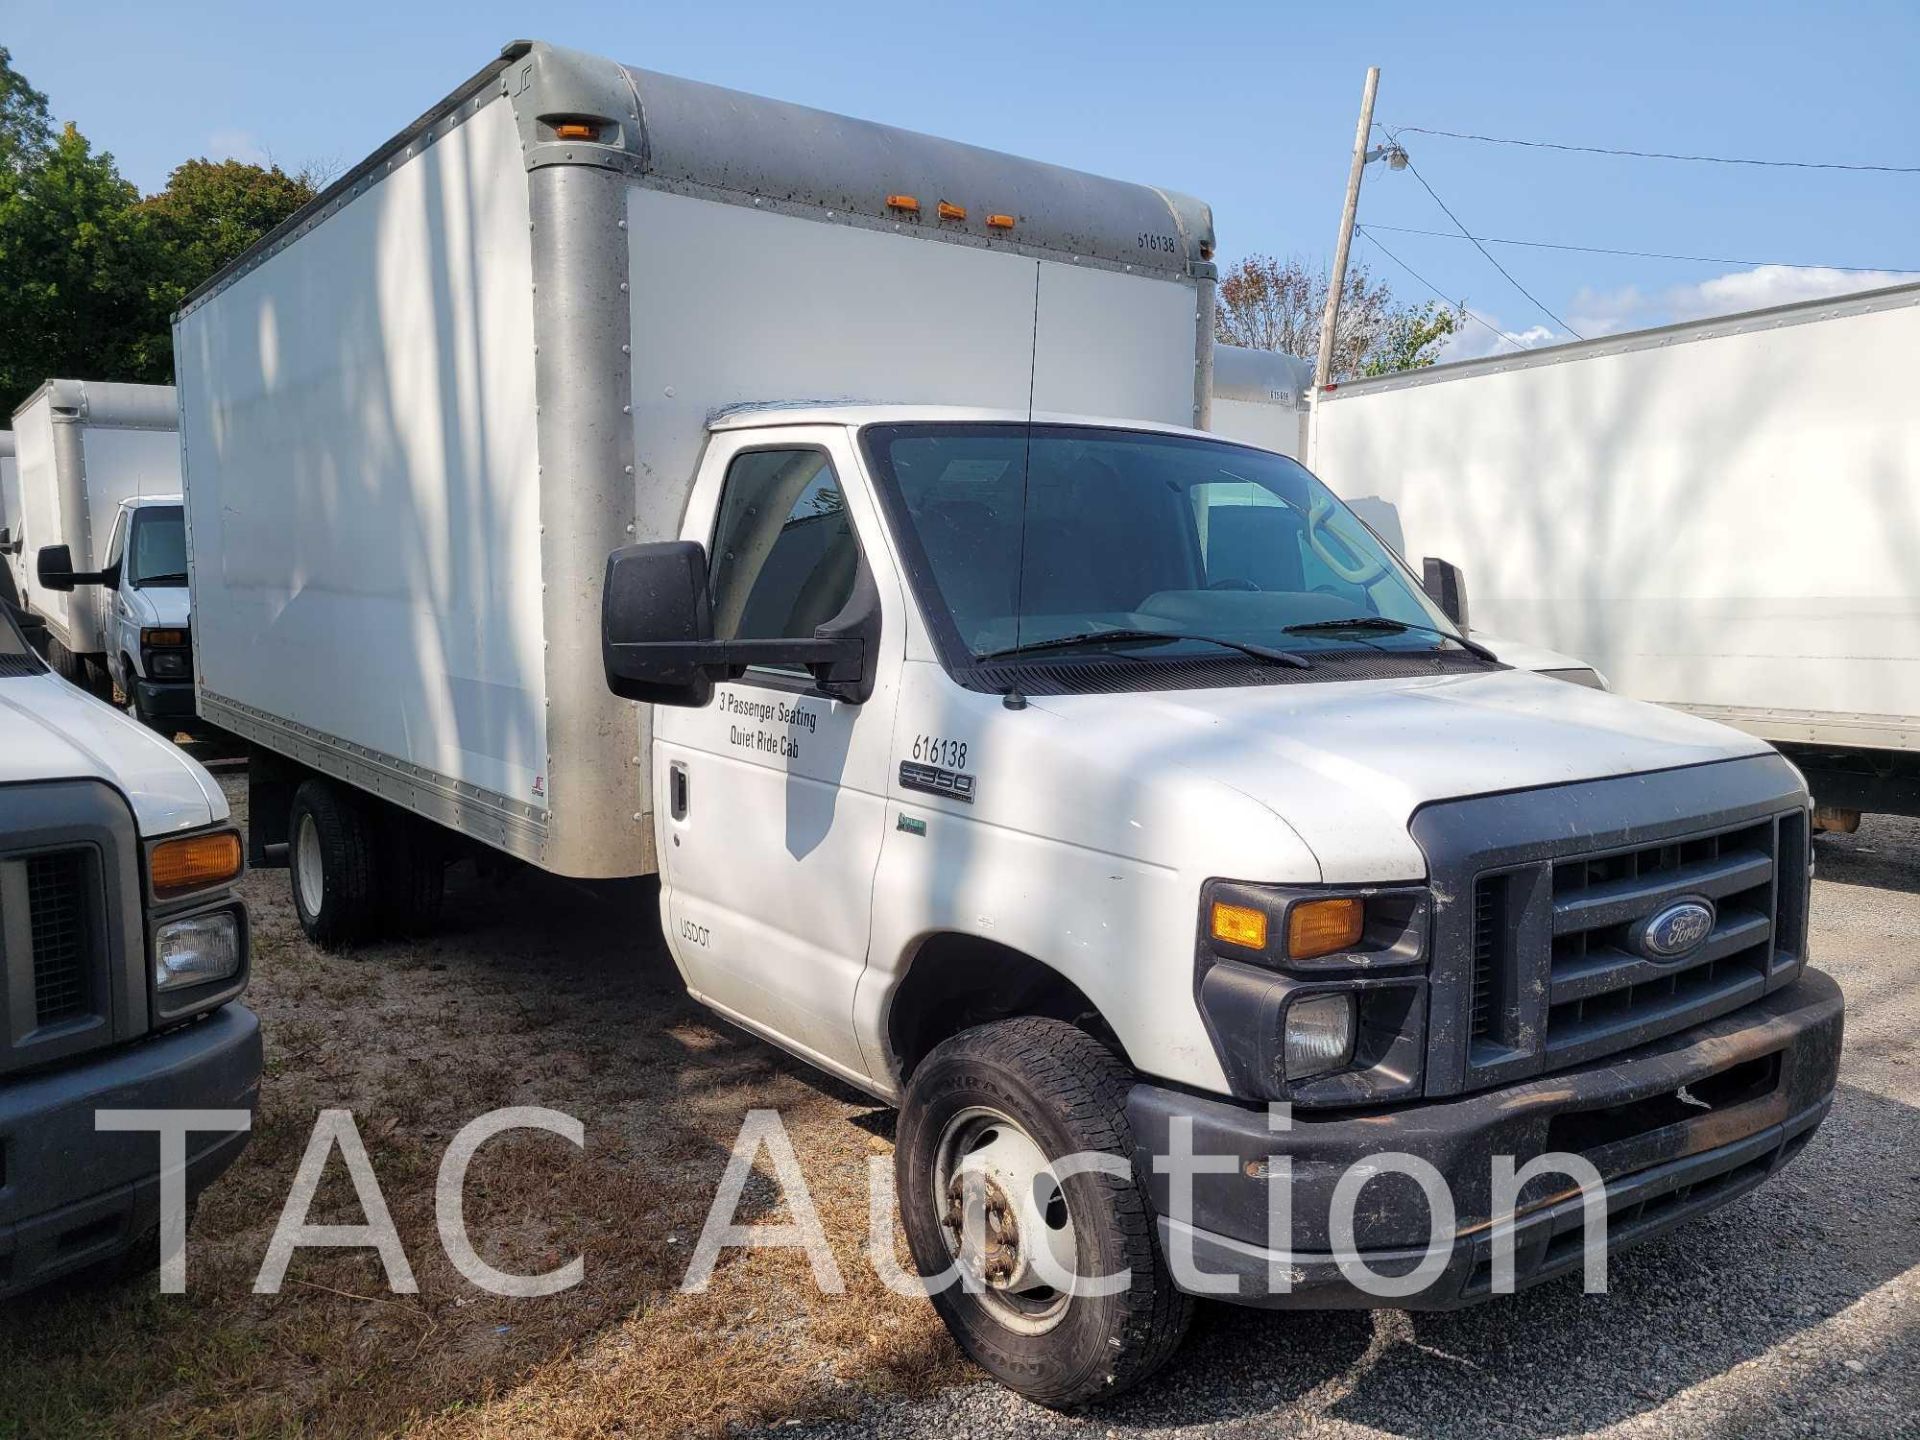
{"x":988,"y":1119}
{"x":360,"y":870}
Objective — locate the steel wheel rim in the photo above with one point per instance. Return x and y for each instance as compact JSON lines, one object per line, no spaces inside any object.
{"x":1000,"y":1205}
{"x":308,"y":871}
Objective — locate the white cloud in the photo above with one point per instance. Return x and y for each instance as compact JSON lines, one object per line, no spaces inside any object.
{"x":1630,"y":308}
{"x":1472,"y":340}
{"x":236,"y":145}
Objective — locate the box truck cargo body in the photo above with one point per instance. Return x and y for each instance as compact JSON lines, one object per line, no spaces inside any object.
{"x":1720,"y":515}
{"x":10,"y":546}
{"x":1262,"y":397}
{"x":631,"y":475}
{"x":419,"y":417}
{"x":82,"y":447}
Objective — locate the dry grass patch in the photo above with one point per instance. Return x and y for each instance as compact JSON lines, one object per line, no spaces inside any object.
{"x":535,"y":994}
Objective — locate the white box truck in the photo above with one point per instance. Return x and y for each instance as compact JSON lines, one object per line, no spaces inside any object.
{"x":628,"y":474}
{"x":10,"y":542}
{"x":83,"y":447}
{"x":1717,"y":514}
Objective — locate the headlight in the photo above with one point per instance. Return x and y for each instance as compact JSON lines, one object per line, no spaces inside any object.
{"x":196,"y":950}
{"x":168,"y":665}
{"x":1319,"y":1034}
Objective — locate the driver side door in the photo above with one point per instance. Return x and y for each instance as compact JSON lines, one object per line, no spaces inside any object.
{"x":775,"y":795}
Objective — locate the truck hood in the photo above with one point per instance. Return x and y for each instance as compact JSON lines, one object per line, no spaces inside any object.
{"x":160,"y":605}
{"x":1346,"y":764}
{"x":49,"y":730}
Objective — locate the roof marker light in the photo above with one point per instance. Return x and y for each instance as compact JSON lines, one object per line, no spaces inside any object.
{"x":951,"y":212}
{"x":908,"y":203}
{"x":999,"y":222}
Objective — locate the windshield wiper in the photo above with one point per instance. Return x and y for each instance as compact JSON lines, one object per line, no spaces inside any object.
{"x":1096,"y":637}
{"x":179,"y":579}
{"x":1383,"y":622}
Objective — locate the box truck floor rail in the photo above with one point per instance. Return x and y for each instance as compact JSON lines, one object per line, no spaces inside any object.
{"x":630,"y":475}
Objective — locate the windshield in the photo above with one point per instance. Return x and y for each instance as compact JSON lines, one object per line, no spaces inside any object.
{"x":157,"y":554}
{"x":1129,"y":530}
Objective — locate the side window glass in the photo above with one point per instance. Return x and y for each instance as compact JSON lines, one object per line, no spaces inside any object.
{"x":117,"y":545}
{"x":784,"y":553}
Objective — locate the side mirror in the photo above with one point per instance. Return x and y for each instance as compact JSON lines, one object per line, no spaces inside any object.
{"x":1446,"y":586}
{"x":656,"y":632}
{"x":55,"y":568}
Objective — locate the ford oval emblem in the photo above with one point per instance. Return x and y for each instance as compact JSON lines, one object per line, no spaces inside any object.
{"x":1676,"y":931}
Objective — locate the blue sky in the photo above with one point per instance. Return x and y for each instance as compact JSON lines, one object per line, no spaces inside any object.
{"x":1250,"y":106}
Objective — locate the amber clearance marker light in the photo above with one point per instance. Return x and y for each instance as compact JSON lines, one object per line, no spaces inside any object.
{"x":908,"y":203}
{"x":576,"y":130}
{"x":1240,"y":925}
{"x":193,"y":863}
{"x":999,"y":222}
{"x":1320,"y":927}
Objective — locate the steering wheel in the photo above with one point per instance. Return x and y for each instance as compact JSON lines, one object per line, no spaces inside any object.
{"x":1231,"y":582}
{"x":1365,"y":573}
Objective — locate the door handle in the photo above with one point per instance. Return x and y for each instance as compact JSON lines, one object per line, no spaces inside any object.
{"x":677,"y":790}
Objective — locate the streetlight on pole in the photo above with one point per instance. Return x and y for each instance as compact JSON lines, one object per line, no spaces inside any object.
{"x":1396,"y":159}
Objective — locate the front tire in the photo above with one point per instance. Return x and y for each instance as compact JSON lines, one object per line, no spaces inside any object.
{"x":1004,"y":1102}
{"x":330,"y":860}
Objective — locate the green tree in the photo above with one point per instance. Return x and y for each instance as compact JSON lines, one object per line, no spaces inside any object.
{"x":1265,"y":303}
{"x":26,"y":128}
{"x":74,"y":269}
{"x":1412,"y":338}
{"x":209,"y":214}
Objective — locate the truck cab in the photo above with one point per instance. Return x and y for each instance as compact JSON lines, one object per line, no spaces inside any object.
{"x":143,"y":608}
{"x":124,"y":952}
{"x":1025,"y":768}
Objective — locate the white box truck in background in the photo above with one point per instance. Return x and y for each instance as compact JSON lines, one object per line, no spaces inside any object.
{"x":1720,"y":515}
{"x":1262,"y":397}
{"x":1074,"y":783}
{"x":84,"y":446}
{"x":10,"y":543}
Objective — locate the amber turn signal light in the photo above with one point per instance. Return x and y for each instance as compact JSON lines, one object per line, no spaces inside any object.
{"x":193,"y":862}
{"x":1320,"y":927}
{"x":1240,"y":925}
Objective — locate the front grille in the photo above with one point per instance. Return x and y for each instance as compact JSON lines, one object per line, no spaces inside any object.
{"x":1601,"y":992}
{"x":58,"y":914}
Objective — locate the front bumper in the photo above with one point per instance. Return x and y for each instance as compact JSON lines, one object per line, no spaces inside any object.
{"x":165,"y":699}
{"x":71,"y":1196}
{"x":1757,"y":1083}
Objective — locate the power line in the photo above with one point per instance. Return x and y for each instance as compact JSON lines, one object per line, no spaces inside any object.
{"x":1664,"y":154}
{"x":1414,"y":171}
{"x":1434,"y":290}
{"x":1642,"y":254}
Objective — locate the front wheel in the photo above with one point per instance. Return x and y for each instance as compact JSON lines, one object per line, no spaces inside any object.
{"x":988,"y":1120}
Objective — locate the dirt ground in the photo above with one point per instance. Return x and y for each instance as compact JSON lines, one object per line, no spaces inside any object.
{"x":535,"y":992}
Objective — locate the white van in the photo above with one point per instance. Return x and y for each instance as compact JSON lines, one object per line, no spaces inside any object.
{"x":1006,"y":745}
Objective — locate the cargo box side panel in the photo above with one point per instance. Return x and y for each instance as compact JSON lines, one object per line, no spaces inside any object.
{"x":364,"y":490}
{"x":793,"y":309}
{"x":1724,"y":523}
{"x":40,"y":510}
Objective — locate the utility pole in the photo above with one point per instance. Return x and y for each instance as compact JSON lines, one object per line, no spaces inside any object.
{"x":1323,"y":367}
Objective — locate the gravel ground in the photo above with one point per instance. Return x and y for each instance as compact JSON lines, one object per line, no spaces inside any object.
{"x":1794,"y":1311}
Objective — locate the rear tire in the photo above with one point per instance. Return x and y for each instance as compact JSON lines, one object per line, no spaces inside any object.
{"x":330,"y":862}
{"x":67,"y":665}
{"x":1058,"y":1089}
{"x":413,"y":872}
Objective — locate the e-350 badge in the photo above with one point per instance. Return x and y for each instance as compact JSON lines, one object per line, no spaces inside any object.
{"x":932,"y":780}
